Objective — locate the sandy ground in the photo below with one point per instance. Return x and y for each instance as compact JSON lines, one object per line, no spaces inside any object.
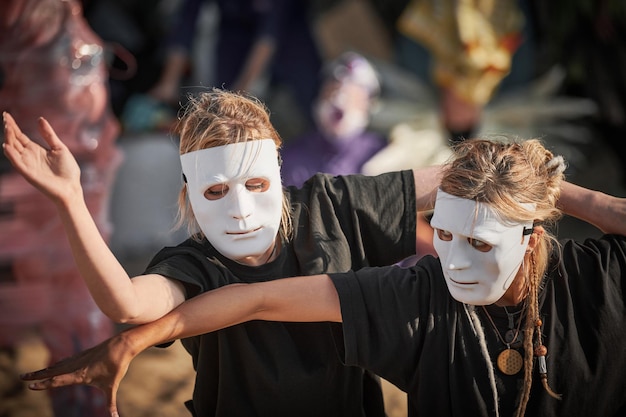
{"x":158,"y":382}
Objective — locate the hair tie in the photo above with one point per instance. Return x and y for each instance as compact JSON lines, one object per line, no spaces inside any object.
{"x":556,"y":165}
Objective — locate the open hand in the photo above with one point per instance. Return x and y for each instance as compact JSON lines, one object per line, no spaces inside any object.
{"x":53,"y":171}
{"x":103,"y":366}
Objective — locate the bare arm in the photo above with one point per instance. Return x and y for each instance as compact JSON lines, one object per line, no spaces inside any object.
{"x":302,"y":299}
{"x":427,"y":181}
{"x":56,"y":173}
{"x":606,"y":212}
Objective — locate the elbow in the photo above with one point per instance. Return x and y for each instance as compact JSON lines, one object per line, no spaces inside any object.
{"x":126,"y":320}
{"x":126,"y":316}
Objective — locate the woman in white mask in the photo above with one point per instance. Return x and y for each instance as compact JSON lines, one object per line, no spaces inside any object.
{"x":244,"y":227}
{"x":503,"y":323}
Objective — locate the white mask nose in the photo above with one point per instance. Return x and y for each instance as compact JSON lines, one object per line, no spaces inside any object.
{"x":458,"y":258}
{"x":241,"y":204}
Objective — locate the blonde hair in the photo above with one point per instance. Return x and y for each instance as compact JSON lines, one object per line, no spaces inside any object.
{"x":505,"y":173}
{"x":219,"y":117}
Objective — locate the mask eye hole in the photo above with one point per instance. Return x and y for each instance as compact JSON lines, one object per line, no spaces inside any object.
{"x":479,"y":245}
{"x":215,"y":192}
{"x":444,"y":235}
{"x":257,"y":185}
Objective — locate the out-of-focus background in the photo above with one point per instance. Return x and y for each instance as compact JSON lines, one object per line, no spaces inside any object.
{"x":531,"y":70}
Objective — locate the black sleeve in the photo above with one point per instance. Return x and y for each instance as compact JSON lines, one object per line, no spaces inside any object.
{"x":595,"y":273}
{"x":375,"y":214}
{"x":384,"y":314}
{"x":191,"y":266}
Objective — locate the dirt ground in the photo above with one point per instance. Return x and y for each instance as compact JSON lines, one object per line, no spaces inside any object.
{"x":162,"y":394}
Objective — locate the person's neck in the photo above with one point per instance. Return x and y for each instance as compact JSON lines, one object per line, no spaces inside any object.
{"x":270,"y":254}
{"x":516,"y":293}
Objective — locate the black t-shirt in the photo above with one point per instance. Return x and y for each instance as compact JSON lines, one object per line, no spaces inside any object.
{"x":403,"y":325}
{"x":292,"y":369}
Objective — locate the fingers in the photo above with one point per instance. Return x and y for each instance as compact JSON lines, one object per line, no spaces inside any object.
{"x":12,"y":133}
{"x":51,"y":378}
{"x":112,"y":399}
{"x":49,"y":135}
{"x":40,"y":374}
{"x":55,"y":382}
{"x":16,"y":139}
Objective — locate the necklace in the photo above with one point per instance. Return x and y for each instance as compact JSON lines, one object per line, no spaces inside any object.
{"x":513,"y":335}
{"x":509,"y":361}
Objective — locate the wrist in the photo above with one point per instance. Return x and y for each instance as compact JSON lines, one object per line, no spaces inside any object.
{"x":133,"y":341}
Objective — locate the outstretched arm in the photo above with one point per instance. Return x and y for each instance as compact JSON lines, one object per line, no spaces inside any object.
{"x":606,"y":212}
{"x":302,"y":299}
{"x":55,"y":172}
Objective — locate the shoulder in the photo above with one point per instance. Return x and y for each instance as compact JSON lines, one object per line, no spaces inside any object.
{"x":591,"y":270}
{"x":193,"y":263}
{"x":358,"y":180}
{"x":357,"y":189}
{"x":605,"y":251}
{"x":423,"y":280}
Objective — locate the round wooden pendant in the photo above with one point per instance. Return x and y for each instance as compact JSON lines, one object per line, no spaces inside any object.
{"x":510,"y":361}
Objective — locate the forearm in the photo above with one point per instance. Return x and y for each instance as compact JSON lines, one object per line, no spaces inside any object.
{"x":606,"y":212}
{"x":208,"y":312}
{"x":302,"y":299}
{"x":427,"y":181}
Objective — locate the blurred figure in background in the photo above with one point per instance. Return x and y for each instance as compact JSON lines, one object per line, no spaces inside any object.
{"x":256,"y":42}
{"x":340,"y":143}
{"x":466,"y":49}
{"x":134,"y":33}
{"x":52,"y":64}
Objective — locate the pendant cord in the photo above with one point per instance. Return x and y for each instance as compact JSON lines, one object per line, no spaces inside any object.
{"x":519,"y":324}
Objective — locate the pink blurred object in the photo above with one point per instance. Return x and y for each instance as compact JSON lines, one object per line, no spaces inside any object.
{"x":53,"y":65}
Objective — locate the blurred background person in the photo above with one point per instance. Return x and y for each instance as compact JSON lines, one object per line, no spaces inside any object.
{"x":52,"y":65}
{"x":260,"y":46}
{"x":465,"y":50}
{"x":340,"y":143}
{"x":134,"y":33}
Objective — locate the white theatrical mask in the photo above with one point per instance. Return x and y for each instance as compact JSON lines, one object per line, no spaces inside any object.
{"x":236,"y":195}
{"x":476,"y":273}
